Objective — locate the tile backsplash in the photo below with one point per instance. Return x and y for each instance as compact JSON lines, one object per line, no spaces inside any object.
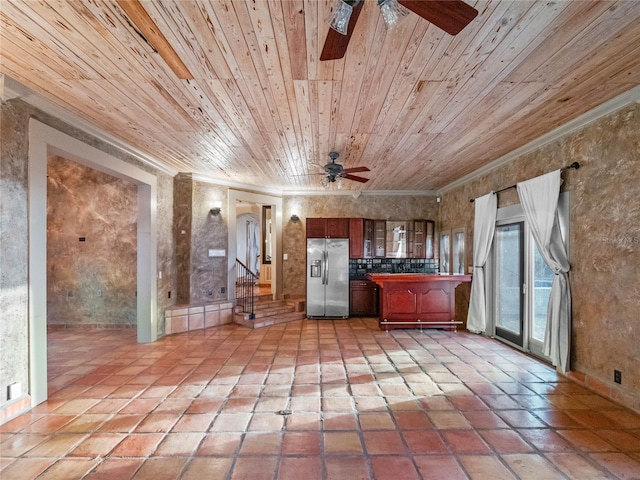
{"x":360,"y":267}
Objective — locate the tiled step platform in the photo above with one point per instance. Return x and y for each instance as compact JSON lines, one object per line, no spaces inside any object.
{"x":268,"y":311}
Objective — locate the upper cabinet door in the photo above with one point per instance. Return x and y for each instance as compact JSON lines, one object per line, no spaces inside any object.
{"x":356,"y":238}
{"x":316,"y":227}
{"x":338,"y":227}
{"x":327,"y":228}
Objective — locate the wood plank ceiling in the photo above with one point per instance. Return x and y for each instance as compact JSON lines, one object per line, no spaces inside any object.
{"x":417,"y":106}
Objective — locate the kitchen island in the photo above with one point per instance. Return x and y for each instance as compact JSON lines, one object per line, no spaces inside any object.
{"x":417,"y":300}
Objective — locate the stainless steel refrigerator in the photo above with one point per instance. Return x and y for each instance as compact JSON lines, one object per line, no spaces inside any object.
{"x":327,"y":278}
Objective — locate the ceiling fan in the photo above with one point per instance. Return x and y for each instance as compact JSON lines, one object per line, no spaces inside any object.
{"x":335,"y":172}
{"x":449,"y":15}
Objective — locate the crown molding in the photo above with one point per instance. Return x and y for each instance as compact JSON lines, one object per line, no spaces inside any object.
{"x":577,"y":123}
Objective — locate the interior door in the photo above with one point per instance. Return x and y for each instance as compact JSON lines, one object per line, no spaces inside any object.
{"x":509,"y":285}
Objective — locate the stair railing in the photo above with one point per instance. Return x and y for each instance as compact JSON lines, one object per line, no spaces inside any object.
{"x":245,"y":288}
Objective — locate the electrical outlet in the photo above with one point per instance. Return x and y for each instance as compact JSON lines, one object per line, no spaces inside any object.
{"x":617,"y":376}
{"x":169,"y":294}
{"x":210,"y":293}
{"x":99,"y":293}
{"x":222,"y":289}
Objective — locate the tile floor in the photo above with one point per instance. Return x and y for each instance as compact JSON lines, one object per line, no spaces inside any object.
{"x":312,"y":400}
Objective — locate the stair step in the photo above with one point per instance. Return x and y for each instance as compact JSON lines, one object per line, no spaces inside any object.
{"x":270,"y":320}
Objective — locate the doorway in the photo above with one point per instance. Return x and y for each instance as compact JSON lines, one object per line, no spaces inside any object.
{"x":520,"y":281}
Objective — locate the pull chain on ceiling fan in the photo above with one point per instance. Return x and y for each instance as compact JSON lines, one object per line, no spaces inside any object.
{"x":449,"y":15}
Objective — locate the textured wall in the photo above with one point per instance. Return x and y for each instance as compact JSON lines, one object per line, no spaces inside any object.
{"x":387,"y":207}
{"x":14,"y":287}
{"x":208,"y":274}
{"x":91,"y":282}
{"x":182,"y":199}
{"x":604,"y":240}
{"x":14,"y":328}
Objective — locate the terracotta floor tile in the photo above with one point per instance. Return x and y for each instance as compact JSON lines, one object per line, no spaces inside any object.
{"x":261,"y":443}
{"x":193,"y":423}
{"x":206,"y":405}
{"x":465,"y":441}
{"x":26,"y":468}
{"x":121,"y":423}
{"x":625,"y":441}
{"x":422,"y":442}
{"x":137,"y":445}
{"x":352,"y":467}
{"x":108,"y":405}
{"x":97,"y":445}
{"x":339,"y":421}
{"x":545,"y":439}
{"x":305,"y":404}
{"x":575,"y":465}
{"x":255,"y":468}
{"x":200,"y":468}
{"x":520,"y":419}
{"x":219,"y":444}
{"x":179,"y":445}
{"x":619,"y":464}
{"x":301,"y":443}
{"x":68,"y":468}
{"x":370,"y":404}
{"x":532,"y":466}
{"x":342,"y":443}
{"x":505,"y":441}
{"x":160,"y":469}
{"x":483,"y":467}
{"x":86,"y":423}
{"x":157,"y":422}
{"x":115,"y":468}
{"x":231,"y":422}
{"x":393,"y":468}
{"x":303,"y":421}
{"x":586,"y":440}
{"x":412,"y":420}
{"x":380,"y":443}
{"x":448,"y":420}
{"x":376,"y":421}
{"x":48,"y":424}
{"x":16,"y":445}
{"x":141,"y":406}
{"x":439,"y":467}
{"x":296,"y":468}
{"x":337,"y":404}
{"x":56,"y":445}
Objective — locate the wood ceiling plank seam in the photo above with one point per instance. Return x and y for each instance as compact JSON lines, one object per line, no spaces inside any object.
{"x":356,"y":62}
{"x":458,"y":85}
{"x":266,"y":88}
{"x":365,"y":93}
{"x":24,"y":14}
{"x":560,"y":32}
{"x":324,"y":89}
{"x":261,"y":114}
{"x":313,"y":42}
{"x":206,"y":34}
{"x":483,"y":81}
{"x":276,"y":74}
{"x":391,"y":75}
{"x":304,"y":115}
{"x":279,"y":19}
{"x":77,"y":41}
{"x":176,"y":26}
{"x":246,"y":129}
{"x":294,"y":29}
{"x":533,"y":102}
{"x":324,"y":69}
{"x":97,"y":114}
{"x":170,"y":88}
{"x":222,"y":20}
{"x":593,"y":36}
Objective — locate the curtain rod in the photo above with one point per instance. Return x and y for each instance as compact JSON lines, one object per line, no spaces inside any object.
{"x":575,"y":165}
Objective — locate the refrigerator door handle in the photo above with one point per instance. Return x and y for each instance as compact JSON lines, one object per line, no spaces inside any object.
{"x":326,"y":266}
{"x":325,"y":261}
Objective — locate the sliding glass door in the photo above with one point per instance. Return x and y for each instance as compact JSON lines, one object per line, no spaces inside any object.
{"x":509,"y":282}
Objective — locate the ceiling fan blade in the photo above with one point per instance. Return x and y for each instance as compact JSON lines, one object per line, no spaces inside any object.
{"x":449,"y":15}
{"x":335,"y":46}
{"x":356,"y":170}
{"x":356,"y":178}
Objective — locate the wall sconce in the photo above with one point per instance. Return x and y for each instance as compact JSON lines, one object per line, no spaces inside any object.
{"x":215,"y":211}
{"x":295,"y":218}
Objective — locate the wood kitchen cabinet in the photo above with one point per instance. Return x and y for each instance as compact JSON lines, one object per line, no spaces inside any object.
{"x":420,"y":243}
{"x":327,"y":228}
{"x":418,"y":300}
{"x":363,"y":298}
{"x":360,"y":238}
{"x":379,"y":238}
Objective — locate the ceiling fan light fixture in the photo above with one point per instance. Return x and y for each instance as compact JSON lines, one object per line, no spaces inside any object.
{"x":340,"y":15}
{"x":392,"y":12}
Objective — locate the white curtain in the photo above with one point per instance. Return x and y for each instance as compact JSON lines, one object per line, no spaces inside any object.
{"x":539,"y":199}
{"x":484,"y":226}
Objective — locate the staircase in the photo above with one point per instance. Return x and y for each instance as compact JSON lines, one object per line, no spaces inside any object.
{"x":268,"y":311}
